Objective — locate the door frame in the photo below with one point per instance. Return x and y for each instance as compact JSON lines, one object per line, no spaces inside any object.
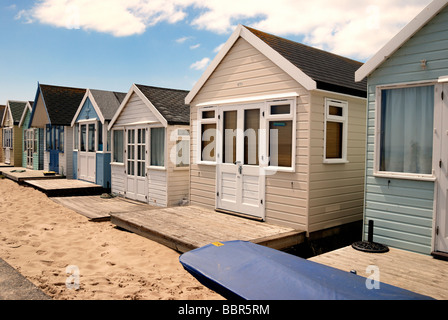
{"x":440,"y":167}
{"x":30,"y":140}
{"x":86,"y":154}
{"x":239,"y":165}
{"x":135,"y":195}
{"x":8,"y":139}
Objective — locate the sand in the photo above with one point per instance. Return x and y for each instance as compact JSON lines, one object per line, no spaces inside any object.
{"x":70,"y":257}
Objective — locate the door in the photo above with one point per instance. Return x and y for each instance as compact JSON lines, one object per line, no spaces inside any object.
{"x":7,"y":144}
{"x":29,"y":147}
{"x":441,"y":185}
{"x":240,"y":182}
{"x":136,"y":150}
{"x":53,"y":144}
{"x":87,"y":152}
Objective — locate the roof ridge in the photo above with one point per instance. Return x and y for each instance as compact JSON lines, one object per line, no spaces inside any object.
{"x":162,"y":88}
{"x":62,"y":87}
{"x":302,"y":44}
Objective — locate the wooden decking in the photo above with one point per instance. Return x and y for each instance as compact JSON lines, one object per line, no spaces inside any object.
{"x":412,"y":271}
{"x":190,"y":227}
{"x":97,"y":208}
{"x":65,"y":187}
{"x":19,"y":174}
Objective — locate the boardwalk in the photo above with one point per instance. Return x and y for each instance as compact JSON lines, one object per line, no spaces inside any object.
{"x":190,"y":227}
{"x":19,"y":174}
{"x":412,"y":271}
{"x":65,"y":187}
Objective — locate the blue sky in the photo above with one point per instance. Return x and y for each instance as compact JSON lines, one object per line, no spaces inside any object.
{"x":113,"y":43}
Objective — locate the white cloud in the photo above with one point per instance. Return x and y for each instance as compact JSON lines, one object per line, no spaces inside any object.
{"x":347,"y":27}
{"x":195,"y":46}
{"x":182,"y":40}
{"x":218,"y":48}
{"x":201,"y":64}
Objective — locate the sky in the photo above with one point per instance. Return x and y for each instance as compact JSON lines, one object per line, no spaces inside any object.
{"x":111,"y":44}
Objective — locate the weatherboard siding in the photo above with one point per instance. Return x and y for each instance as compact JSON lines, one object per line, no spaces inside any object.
{"x":402,"y":210}
{"x":337,"y":189}
{"x":135,"y":111}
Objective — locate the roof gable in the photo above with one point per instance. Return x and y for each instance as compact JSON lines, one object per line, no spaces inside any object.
{"x":14,"y":110}
{"x":402,"y":37}
{"x":310,"y":67}
{"x":26,"y":110}
{"x":168,"y":105}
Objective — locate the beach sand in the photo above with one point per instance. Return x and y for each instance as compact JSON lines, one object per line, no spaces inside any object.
{"x":70,"y":257}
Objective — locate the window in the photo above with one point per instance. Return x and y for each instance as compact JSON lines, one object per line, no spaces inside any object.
{"x":405,"y":136}
{"x":76,"y":137}
{"x":35,"y":133}
{"x":281,"y":133}
{"x":335,"y":143}
{"x":118,"y":146}
{"x":158,"y":147}
{"x":100,"y":136}
{"x":49,"y":144}
{"x":7,"y":138}
{"x":182,"y":148}
{"x":60,"y":144}
{"x":83,"y":137}
{"x":91,"y":137}
{"x":207,"y":137}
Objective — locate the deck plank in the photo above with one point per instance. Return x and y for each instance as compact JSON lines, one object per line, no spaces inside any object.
{"x":412,"y":271}
{"x":189,"y":227}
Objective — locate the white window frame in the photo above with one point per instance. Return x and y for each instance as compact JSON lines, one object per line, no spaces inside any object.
{"x":291,"y":116}
{"x":8,"y":138}
{"x":200,"y":122}
{"x":148,"y":146}
{"x":112,"y":146}
{"x":340,"y":119}
{"x":377,"y":147}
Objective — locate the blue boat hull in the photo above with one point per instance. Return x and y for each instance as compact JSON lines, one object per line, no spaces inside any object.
{"x":243,"y":270}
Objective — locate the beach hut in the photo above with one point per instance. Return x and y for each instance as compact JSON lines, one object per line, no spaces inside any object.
{"x":92,"y":141}
{"x":150,"y":146}
{"x":32,"y":142}
{"x":407,"y":159}
{"x":278,"y":134}
{"x":2,"y":111}
{"x":53,"y":111}
{"x":12,"y":134}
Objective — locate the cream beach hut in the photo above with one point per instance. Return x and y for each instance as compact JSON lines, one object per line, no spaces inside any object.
{"x":12,"y":134}
{"x":278,"y":133}
{"x":150,"y":146}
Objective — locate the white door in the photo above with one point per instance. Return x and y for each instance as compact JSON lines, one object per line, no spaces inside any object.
{"x":29,"y":147}
{"x":87,"y":152}
{"x":240,"y":182}
{"x":136,"y":150}
{"x":441,"y":138}
{"x":7,"y":143}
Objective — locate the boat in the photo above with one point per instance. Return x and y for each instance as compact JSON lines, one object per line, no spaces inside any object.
{"x":241,"y":270}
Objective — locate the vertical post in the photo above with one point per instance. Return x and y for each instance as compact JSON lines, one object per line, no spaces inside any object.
{"x":370,"y":231}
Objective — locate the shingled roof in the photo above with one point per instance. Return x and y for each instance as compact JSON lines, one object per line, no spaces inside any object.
{"x":169,"y":102}
{"x":2,"y":111}
{"x":61,"y":103}
{"x":330,"y":71}
{"x":108,"y":101}
{"x":16,"y":108}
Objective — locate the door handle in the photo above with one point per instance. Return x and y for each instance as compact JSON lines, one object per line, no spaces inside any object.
{"x":240,"y":169}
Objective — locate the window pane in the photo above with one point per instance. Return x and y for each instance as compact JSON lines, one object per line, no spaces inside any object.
{"x":48,"y":137}
{"x":61,"y":138}
{"x":76,"y":134}
{"x":158,"y":147}
{"x":100,"y":136}
{"x":335,"y":111}
{"x":208,"y":143}
{"x":208,"y":114}
{"x":407,"y":117}
{"x":280,"y":109}
{"x":35,"y":132}
{"x":229,"y":138}
{"x":91,"y":138}
{"x":83,"y":137}
{"x":334,"y":140}
{"x":280,"y":143}
{"x":118,"y":146}
{"x":108,"y":137}
{"x":251,"y":128}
